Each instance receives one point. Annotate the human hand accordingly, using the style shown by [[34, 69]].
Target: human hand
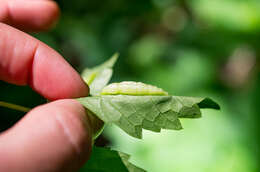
[[55, 136]]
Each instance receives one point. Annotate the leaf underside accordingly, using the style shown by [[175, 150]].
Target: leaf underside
[[134, 113]]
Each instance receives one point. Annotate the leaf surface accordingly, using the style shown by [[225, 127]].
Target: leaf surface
[[134, 113]]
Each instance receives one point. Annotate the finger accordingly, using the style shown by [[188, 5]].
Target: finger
[[52, 137], [25, 60], [29, 15]]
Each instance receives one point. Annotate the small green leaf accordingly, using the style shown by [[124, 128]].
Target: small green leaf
[[131, 167], [107, 160], [134, 113], [98, 77]]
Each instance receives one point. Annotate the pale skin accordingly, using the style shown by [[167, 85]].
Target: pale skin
[[51, 137]]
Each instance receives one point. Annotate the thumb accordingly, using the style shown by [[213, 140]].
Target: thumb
[[52, 137]]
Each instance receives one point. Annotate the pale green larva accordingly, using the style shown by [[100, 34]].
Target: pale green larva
[[132, 88]]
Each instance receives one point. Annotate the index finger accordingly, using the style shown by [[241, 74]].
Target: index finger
[[29, 15], [25, 60]]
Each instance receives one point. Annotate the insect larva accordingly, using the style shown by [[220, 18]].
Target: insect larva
[[132, 88]]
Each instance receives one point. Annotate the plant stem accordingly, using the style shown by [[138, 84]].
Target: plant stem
[[14, 106]]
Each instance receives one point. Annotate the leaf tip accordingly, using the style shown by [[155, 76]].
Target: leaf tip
[[209, 103]]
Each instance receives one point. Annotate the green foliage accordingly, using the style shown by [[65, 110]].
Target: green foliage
[[131, 168], [134, 113], [183, 47], [107, 160], [99, 76]]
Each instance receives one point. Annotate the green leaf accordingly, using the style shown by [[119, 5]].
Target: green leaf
[[134, 113], [131, 167], [107, 160], [189, 107], [98, 77]]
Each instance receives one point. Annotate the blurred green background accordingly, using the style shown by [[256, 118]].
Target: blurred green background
[[190, 48]]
